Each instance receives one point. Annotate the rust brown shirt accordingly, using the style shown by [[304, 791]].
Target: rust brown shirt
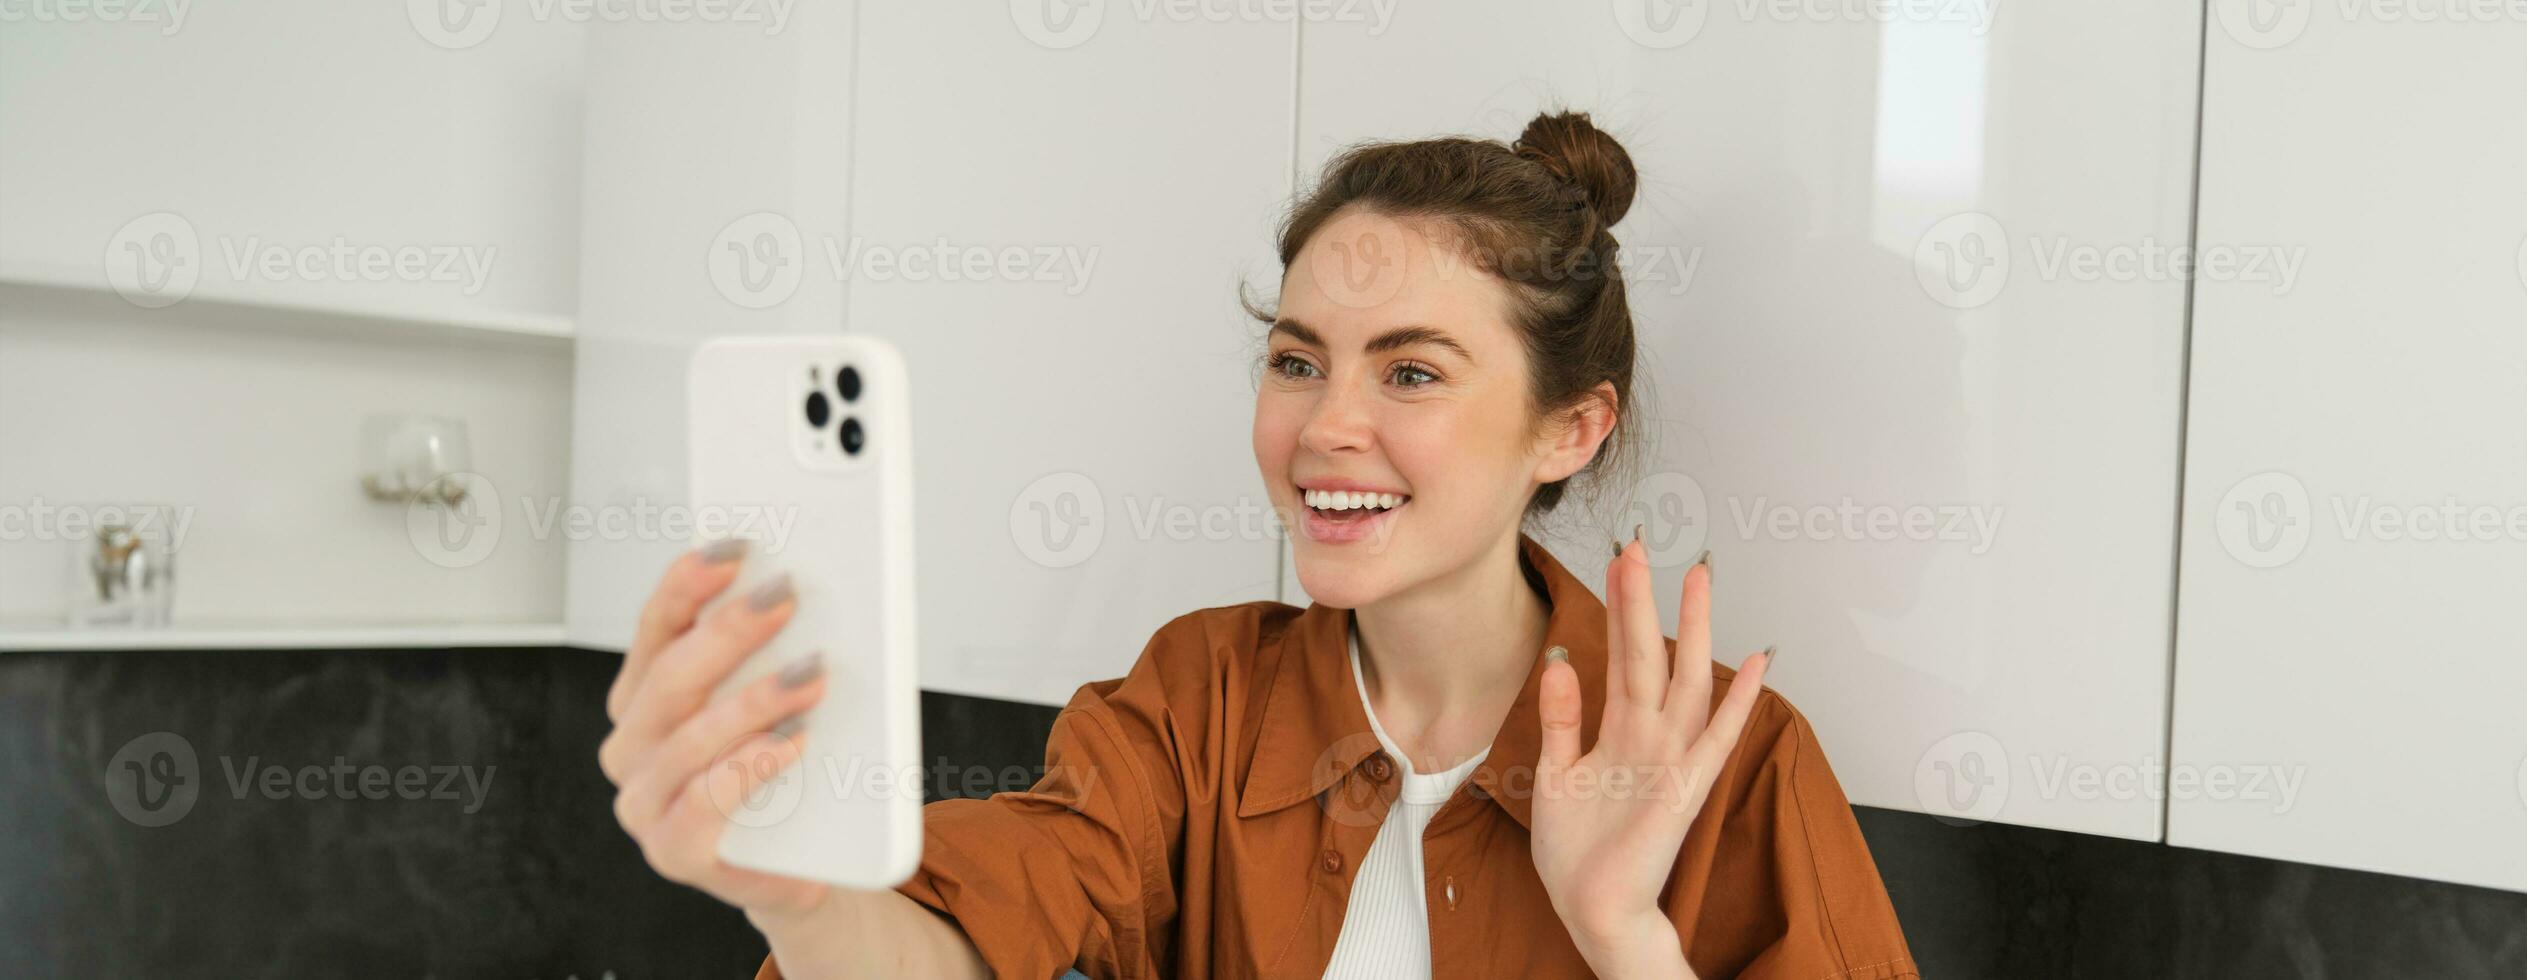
[[1202, 815]]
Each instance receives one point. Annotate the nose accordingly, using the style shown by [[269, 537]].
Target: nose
[[1339, 424]]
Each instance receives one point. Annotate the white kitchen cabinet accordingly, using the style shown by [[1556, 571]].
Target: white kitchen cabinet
[[299, 154], [2349, 659], [1857, 263], [1051, 225], [701, 138], [1083, 411]]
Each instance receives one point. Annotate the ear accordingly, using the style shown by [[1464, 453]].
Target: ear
[[1572, 442]]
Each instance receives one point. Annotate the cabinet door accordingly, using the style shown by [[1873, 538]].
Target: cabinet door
[[1053, 206], [1911, 387], [1049, 224], [2350, 660], [704, 141]]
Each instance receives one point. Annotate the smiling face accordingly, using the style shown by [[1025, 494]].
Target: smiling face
[[1394, 374]]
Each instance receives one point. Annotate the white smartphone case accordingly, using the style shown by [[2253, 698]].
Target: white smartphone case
[[768, 468]]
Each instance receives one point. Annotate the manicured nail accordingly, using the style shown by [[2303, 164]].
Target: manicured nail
[[1555, 653], [790, 726], [1618, 548], [802, 670], [724, 550], [1636, 534], [1704, 560], [770, 594], [1770, 654]]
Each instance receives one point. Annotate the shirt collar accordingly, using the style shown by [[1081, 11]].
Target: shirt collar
[[1314, 730]]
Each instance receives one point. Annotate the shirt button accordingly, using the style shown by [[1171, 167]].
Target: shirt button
[[1380, 769], [1333, 862]]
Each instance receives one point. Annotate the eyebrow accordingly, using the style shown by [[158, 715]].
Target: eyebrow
[[1397, 338]]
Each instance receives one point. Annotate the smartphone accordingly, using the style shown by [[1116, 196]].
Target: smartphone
[[803, 445]]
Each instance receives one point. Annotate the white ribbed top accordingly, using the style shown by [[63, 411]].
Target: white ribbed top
[[1386, 925]]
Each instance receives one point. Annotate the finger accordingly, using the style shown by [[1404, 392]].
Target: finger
[[1720, 739], [1557, 707], [1617, 703], [685, 674], [684, 844], [1645, 646], [689, 581], [1690, 693], [760, 706]]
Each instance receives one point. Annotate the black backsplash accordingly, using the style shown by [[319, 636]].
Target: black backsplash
[[377, 879]]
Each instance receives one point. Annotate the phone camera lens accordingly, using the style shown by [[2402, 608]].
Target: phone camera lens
[[848, 381], [819, 411], [853, 437]]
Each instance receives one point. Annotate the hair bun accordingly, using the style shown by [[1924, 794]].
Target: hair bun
[[1576, 151]]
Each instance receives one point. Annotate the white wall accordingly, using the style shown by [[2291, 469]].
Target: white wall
[[1802, 171], [2336, 628]]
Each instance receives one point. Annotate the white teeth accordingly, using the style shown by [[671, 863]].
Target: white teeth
[[1346, 500]]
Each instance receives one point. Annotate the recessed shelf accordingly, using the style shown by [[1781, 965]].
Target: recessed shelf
[[25, 637]]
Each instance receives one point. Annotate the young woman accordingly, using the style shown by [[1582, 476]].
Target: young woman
[[1457, 762]]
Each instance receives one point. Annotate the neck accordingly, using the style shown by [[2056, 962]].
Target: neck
[[1444, 661]]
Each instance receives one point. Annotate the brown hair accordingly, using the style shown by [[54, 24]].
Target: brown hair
[[1538, 214]]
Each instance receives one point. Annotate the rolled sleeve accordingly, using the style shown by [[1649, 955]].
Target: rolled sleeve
[[1808, 903]]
